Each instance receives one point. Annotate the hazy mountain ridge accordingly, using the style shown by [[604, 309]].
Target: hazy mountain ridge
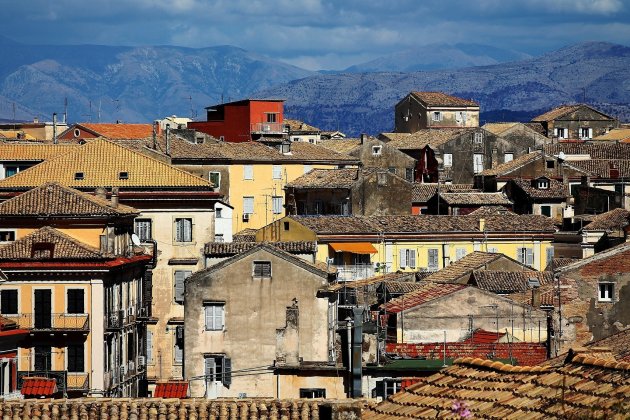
[[594, 72]]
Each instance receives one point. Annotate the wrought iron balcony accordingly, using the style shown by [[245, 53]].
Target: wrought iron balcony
[[52, 322]]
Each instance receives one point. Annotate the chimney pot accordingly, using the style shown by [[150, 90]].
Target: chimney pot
[[115, 197]]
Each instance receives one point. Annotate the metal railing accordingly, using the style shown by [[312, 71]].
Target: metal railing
[[354, 272], [52, 322], [77, 381], [267, 128]]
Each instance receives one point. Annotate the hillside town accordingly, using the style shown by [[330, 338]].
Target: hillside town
[[249, 265]]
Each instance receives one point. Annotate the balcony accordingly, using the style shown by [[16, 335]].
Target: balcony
[[78, 381], [267, 128], [66, 381], [52, 322], [354, 272]]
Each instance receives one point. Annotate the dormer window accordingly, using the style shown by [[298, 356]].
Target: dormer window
[[123, 175], [543, 184], [79, 176], [42, 250], [376, 150]]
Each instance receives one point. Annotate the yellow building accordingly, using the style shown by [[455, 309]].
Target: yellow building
[[72, 279], [361, 246]]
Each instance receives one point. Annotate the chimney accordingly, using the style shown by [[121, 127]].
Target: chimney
[[288, 338], [156, 126], [363, 138], [115, 197], [35, 120], [54, 128], [536, 297], [101, 193], [168, 139], [482, 224]]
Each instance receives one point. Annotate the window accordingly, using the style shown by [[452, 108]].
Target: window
[[308, 168], [149, 346], [286, 226], [183, 230], [143, 229], [277, 172], [387, 387], [586, 133], [10, 170], [549, 254], [477, 163], [248, 172], [606, 291], [508, 157], [178, 346], [493, 249], [318, 207], [460, 116], [408, 258], [123, 175], [271, 117], [545, 211], [560, 132], [218, 213], [218, 369], [543, 184], [179, 278], [76, 358], [248, 205], [433, 259], [262, 269], [214, 313], [215, 178], [76, 301], [478, 137], [312, 393], [525, 256], [551, 164], [409, 174], [381, 179], [460, 253], [376, 150], [7, 235], [79, 176], [448, 160], [436, 116], [392, 170], [9, 302], [277, 204], [42, 359]]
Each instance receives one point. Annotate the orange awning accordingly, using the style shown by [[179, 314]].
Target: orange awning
[[354, 247]]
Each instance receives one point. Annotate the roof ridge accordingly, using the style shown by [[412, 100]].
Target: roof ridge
[[588, 360], [498, 366]]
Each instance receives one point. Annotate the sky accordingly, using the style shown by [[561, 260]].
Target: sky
[[319, 34]]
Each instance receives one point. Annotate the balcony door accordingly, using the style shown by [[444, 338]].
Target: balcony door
[[43, 316]]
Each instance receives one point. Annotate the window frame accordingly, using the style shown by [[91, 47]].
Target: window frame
[[478, 163], [276, 172], [609, 289], [377, 150], [312, 393], [448, 160], [214, 316], [178, 356], [182, 238], [431, 258], [407, 258], [261, 263], [436, 116], [524, 255], [217, 175], [246, 199], [277, 204], [17, 301], [142, 237], [176, 294], [75, 301], [248, 172], [72, 364], [10, 233], [505, 157]]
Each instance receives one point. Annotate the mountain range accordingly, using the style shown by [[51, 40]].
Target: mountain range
[[140, 84]]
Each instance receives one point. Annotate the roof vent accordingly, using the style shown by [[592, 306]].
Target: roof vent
[[79, 176], [123, 175]]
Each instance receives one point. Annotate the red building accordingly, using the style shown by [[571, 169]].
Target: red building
[[245, 120]]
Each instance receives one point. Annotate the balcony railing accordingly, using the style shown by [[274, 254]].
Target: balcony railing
[[52, 322], [271, 128], [354, 272], [68, 381], [78, 381]]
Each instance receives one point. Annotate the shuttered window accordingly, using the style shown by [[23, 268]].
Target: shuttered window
[[262, 269], [433, 259], [180, 277], [248, 172], [277, 205], [525, 256], [214, 313], [277, 171], [218, 369], [143, 229], [549, 254], [76, 358], [76, 301], [9, 301], [178, 348], [248, 205], [183, 230], [407, 258]]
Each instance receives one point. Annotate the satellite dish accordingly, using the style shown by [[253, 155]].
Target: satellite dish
[[135, 239]]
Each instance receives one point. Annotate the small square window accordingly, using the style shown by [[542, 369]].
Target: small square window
[[262, 269], [215, 178], [123, 175], [448, 160], [606, 292], [79, 176], [7, 235], [508, 157], [551, 164], [376, 150]]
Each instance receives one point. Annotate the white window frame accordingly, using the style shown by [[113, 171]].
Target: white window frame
[[247, 209], [137, 230], [508, 157], [460, 253], [478, 159], [377, 150], [436, 116], [433, 259], [276, 172], [277, 204], [478, 137], [407, 258], [248, 172], [218, 183], [543, 184], [525, 256], [214, 316], [448, 160], [605, 292], [149, 344], [186, 235]]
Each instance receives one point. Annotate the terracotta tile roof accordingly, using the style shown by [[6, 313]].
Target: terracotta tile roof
[[422, 192], [556, 189], [485, 211], [232, 248], [13, 134], [54, 200], [618, 344], [103, 163], [119, 131], [192, 408], [245, 235], [583, 387], [504, 282], [297, 125], [428, 292], [65, 247], [463, 266], [559, 262], [33, 152], [425, 223], [480, 336], [326, 178], [508, 167], [500, 127], [475, 199], [603, 167], [433, 137], [442, 99], [557, 113], [344, 146], [616, 219], [36, 386], [596, 150], [401, 278], [616, 134], [171, 389]]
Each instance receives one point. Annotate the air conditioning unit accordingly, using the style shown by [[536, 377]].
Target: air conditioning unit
[[142, 361], [246, 217]]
